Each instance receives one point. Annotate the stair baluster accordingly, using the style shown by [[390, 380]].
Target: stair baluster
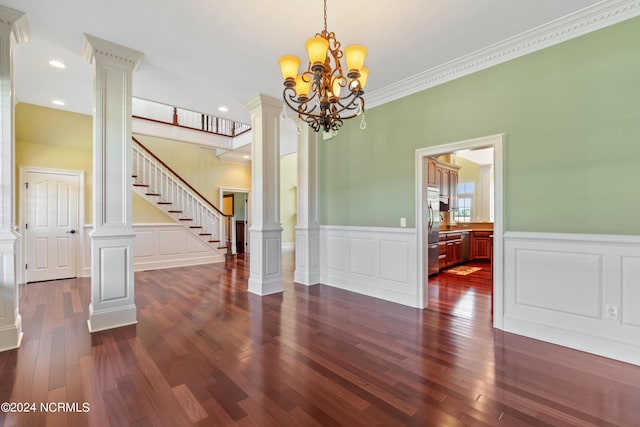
[[156, 181]]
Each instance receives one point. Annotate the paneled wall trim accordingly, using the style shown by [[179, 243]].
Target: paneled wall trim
[[576, 290], [375, 261], [162, 245]]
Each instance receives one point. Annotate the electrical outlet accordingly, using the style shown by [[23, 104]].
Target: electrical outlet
[[403, 222], [612, 312]]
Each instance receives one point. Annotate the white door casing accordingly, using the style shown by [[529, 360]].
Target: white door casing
[[247, 212], [497, 142], [51, 223]]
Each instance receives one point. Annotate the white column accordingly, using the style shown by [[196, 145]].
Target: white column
[[13, 30], [112, 291], [307, 270], [265, 232]]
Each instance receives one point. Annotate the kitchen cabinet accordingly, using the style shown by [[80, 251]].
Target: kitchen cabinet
[[481, 245], [442, 251], [454, 249], [453, 190], [444, 183], [446, 180], [450, 250], [431, 172]]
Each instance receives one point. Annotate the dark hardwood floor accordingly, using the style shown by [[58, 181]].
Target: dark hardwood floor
[[466, 296], [205, 352]]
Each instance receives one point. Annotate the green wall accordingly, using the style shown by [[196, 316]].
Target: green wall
[[571, 116]]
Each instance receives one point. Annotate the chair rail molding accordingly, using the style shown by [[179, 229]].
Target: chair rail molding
[[576, 290], [373, 261]]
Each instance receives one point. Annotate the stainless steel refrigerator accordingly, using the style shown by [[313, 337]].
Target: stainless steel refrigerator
[[431, 219]]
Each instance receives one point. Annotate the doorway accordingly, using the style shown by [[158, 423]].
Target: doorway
[[235, 201], [452, 292], [51, 209]]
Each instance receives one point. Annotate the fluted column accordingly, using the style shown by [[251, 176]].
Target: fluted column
[[112, 286], [307, 271], [13, 30], [265, 231]]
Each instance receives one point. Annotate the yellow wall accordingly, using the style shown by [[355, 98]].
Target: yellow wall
[[51, 138], [288, 196], [199, 166], [470, 171]]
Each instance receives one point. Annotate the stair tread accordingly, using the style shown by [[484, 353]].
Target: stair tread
[[174, 211], [204, 234], [185, 219], [195, 226], [214, 241], [140, 185], [151, 194], [164, 203]]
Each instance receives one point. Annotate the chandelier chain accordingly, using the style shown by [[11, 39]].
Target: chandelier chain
[[325, 16]]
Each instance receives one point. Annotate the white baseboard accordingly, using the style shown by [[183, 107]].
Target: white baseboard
[[579, 291], [374, 261], [288, 246], [162, 245]]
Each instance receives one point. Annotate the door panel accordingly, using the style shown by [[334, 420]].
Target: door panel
[[52, 213]]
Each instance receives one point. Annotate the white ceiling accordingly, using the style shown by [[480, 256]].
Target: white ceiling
[[202, 54], [483, 156]]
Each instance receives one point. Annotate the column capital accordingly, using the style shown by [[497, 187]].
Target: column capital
[[94, 47], [16, 21], [260, 100]]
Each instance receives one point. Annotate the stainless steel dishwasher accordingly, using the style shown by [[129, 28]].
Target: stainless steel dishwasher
[[465, 246]]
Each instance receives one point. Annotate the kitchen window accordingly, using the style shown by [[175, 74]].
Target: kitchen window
[[466, 193]]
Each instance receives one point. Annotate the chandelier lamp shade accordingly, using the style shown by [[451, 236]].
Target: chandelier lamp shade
[[326, 94]]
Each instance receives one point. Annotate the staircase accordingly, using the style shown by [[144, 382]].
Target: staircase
[[160, 185]]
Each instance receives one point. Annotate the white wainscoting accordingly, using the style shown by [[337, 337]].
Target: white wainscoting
[[374, 261], [160, 246], [579, 291]]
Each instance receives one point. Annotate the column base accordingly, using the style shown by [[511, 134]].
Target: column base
[[266, 261], [265, 287], [307, 270], [11, 337], [101, 320]]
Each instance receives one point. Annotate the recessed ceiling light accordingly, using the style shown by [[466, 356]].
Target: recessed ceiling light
[[58, 102], [57, 64], [223, 109], [246, 157]]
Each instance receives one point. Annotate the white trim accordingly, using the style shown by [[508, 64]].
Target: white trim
[[288, 246], [600, 15], [148, 253], [22, 217], [496, 141], [559, 288], [247, 214], [180, 134], [373, 261]]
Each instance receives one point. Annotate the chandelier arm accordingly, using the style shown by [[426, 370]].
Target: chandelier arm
[[350, 106]]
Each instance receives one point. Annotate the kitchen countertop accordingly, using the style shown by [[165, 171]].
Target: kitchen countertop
[[464, 229]]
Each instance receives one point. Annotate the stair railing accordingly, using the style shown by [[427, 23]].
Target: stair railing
[[182, 199]]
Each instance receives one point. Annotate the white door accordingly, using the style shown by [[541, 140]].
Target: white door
[[52, 226]]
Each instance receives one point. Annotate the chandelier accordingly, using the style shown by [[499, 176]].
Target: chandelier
[[323, 96]]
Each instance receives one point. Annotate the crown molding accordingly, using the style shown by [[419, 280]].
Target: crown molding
[[93, 46], [587, 20], [17, 21]]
